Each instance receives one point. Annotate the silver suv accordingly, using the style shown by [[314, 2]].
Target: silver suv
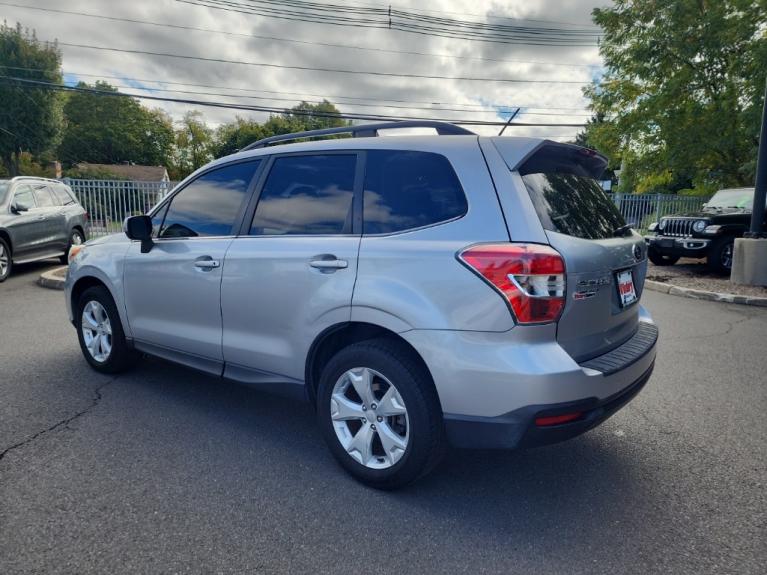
[[39, 219], [418, 290]]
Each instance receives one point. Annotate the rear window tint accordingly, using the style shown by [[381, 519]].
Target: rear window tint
[[44, 197], [406, 190], [307, 195], [562, 184]]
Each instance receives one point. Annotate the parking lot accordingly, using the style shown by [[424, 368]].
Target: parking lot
[[164, 470]]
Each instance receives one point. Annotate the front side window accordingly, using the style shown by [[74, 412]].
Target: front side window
[[209, 205], [43, 197], [406, 190], [23, 198], [307, 195]]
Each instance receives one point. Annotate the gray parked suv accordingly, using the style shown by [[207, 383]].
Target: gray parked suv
[[418, 290], [39, 219]]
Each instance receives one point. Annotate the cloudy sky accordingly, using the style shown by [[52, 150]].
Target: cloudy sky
[[261, 39]]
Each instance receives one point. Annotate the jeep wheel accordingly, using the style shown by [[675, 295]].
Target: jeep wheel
[[380, 415], [660, 259], [720, 256]]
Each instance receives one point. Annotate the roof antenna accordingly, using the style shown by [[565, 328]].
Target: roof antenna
[[506, 125]]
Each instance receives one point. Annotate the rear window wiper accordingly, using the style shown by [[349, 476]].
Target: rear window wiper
[[621, 231]]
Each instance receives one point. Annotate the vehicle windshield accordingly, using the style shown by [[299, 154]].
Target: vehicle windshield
[[4, 185], [731, 199]]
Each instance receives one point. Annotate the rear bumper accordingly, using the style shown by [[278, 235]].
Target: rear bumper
[[683, 247], [493, 386], [517, 430]]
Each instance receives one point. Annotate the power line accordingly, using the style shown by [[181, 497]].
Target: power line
[[372, 117], [406, 21], [313, 69], [363, 105], [293, 40], [336, 99]]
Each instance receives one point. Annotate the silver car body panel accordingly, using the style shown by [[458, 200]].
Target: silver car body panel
[[272, 305]]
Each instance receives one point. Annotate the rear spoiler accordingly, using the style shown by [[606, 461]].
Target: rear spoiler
[[554, 157]]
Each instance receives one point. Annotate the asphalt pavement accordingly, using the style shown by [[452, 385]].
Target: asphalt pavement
[[164, 470]]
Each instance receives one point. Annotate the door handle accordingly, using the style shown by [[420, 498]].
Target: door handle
[[329, 264], [207, 264], [41, 218]]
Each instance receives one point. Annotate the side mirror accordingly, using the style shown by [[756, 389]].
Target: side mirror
[[17, 209], [140, 228]]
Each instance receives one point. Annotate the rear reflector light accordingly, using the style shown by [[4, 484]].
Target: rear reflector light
[[557, 419], [530, 276]]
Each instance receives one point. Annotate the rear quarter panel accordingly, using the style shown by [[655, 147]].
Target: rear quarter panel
[[413, 279]]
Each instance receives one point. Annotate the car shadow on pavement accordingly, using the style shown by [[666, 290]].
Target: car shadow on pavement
[[585, 484]]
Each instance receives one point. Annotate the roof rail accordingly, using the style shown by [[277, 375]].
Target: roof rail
[[364, 131]]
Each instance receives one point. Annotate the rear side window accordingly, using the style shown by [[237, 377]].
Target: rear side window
[[63, 195], [43, 197], [562, 183], [406, 190], [307, 195], [209, 205]]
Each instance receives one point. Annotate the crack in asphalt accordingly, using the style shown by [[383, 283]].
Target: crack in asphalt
[[95, 400], [730, 326]]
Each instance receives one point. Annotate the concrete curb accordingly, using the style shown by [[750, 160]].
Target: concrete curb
[[706, 295], [52, 279]]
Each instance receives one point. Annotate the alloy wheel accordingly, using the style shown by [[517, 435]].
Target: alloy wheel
[[370, 418], [97, 331], [4, 261]]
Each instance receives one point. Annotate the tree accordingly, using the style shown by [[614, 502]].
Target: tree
[[108, 129], [302, 117], [193, 149], [682, 91], [30, 118]]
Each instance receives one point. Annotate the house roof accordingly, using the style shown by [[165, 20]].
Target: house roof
[[129, 171]]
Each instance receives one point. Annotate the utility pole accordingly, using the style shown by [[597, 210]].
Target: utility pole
[[760, 193], [749, 264]]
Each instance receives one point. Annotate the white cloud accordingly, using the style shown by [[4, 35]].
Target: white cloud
[[490, 95]]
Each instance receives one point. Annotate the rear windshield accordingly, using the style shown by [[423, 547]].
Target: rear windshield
[[563, 185]]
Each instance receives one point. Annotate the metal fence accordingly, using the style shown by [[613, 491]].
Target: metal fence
[[109, 202], [640, 210]]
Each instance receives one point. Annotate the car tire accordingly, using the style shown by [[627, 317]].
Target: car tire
[[413, 409], [719, 259], [6, 260], [75, 238], [660, 259], [100, 333]]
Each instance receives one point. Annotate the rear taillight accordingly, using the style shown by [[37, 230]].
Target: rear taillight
[[530, 276]]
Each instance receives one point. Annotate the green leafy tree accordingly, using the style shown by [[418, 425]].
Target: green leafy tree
[[30, 118], [194, 145], [108, 129], [682, 90], [302, 117]]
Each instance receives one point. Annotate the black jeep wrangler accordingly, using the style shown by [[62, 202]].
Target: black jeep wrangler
[[708, 234]]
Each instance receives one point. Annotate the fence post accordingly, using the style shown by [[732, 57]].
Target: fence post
[[657, 206]]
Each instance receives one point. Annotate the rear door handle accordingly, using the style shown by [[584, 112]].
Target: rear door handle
[[329, 264], [207, 264]]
